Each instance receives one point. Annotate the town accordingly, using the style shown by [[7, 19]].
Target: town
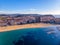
[[19, 19]]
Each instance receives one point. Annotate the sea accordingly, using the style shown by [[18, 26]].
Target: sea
[[31, 36]]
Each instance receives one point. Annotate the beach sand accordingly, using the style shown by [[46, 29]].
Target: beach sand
[[14, 27]]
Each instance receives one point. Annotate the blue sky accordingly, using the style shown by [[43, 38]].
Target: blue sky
[[30, 6]]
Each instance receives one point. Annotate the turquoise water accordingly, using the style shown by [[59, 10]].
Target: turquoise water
[[40, 34]]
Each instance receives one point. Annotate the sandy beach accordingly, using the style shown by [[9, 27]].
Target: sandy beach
[[35, 25]]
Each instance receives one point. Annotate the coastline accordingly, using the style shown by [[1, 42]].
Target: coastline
[[33, 25]]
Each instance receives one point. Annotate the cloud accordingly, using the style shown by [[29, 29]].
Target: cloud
[[51, 12], [8, 12], [31, 11]]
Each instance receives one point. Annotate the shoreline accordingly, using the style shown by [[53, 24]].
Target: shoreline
[[33, 25]]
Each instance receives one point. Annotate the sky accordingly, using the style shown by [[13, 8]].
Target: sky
[[30, 6]]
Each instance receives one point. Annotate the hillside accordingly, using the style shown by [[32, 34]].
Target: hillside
[[19, 19]]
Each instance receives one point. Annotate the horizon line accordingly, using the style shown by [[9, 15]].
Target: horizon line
[[31, 12]]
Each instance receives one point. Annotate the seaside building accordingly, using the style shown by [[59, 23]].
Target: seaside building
[[57, 20], [47, 19], [3, 23]]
